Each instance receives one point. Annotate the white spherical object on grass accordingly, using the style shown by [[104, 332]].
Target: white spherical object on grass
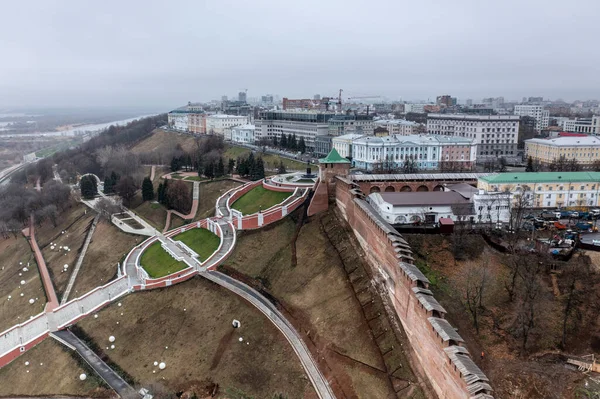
[[22, 282], [111, 338], [26, 363], [156, 363], [241, 339], [31, 301], [20, 263], [10, 296], [112, 347], [95, 316], [119, 304], [22, 294], [25, 269], [162, 365], [82, 376]]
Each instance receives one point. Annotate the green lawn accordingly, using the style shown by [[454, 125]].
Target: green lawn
[[196, 178], [158, 263], [201, 241], [259, 198]]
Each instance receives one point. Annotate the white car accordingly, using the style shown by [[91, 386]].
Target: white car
[[596, 242]]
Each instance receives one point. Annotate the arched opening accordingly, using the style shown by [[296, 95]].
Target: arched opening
[[438, 188], [400, 219], [406, 189], [390, 189], [422, 188], [375, 189]]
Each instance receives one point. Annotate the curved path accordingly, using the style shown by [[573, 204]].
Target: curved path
[[69, 313]]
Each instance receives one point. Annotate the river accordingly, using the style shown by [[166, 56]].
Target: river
[[77, 131]]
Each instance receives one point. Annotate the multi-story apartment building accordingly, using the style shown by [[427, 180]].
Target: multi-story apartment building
[[243, 134], [340, 125], [541, 116], [197, 123], [306, 124], [400, 127], [178, 119], [427, 151], [494, 135], [586, 150], [581, 125], [547, 189], [415, 108], [221, 124]]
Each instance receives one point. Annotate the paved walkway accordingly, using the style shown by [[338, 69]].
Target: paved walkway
[[79, 307], [44, 274], [319, 382], [122, 388], [192, 214], [152, 172], [65, 296]]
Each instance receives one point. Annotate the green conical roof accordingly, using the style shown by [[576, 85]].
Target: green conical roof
[[333, 157]]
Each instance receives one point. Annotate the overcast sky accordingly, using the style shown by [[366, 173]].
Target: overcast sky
[[164, 53]]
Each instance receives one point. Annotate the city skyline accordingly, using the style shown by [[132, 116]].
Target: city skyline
[[92, 54]]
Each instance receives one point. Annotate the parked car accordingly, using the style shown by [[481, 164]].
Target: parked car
[[595, 212], [596, 242], [550, 215], [573, 214], [529, 216], [583, 226]]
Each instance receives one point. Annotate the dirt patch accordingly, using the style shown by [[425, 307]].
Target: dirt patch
[[163, 141], [176, 221], [75, 223], [152, 212], [13, 252], [319, 300], [184, 326], [108, 247], [53, 370], [209, 192]]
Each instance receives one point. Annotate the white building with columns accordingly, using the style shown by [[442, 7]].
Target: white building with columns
[[243, 134], [221, 124]]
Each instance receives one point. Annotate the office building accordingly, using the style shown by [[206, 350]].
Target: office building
[[494, 135], [323, 145], [586, 150], [415, 108], [400, 127], [221, 125], [547, 189], [446, 101], [306, 124], [581, 125], [346, 124], [537, 112], [429, 152], [242, 97], [317, 104]]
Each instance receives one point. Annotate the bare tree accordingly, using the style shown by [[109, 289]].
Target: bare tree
[[107, 207], [126, 189], [473, 287]]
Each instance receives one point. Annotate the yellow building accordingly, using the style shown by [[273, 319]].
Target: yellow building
[[586, 150], [548, 189]]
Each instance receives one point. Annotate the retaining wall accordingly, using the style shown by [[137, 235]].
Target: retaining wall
[[437, 348]]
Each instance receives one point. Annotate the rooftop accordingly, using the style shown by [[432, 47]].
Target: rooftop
[[567, 141], [445, 330], [245, 127], [403, 122], [333, 157], [475, 117], [541, 177], [425, 198], [419, 177], [224, 116], [349, 136], [416, 139]]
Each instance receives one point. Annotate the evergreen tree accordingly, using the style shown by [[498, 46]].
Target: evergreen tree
[[114, 178], [175, 164], [281, 169], [283, 141], [165, 197], [274, 141], [209, 170], [302, 145], [230, 166], [294, 143], [147, 189], [109, 187], [260, 168], [88, 186], [160, 193], [220, 168]]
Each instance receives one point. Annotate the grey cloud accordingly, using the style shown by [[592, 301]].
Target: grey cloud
[[159, 53]]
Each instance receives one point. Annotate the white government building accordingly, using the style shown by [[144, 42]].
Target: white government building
[[243, 134]]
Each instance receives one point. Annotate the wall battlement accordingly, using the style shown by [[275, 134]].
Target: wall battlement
[[438, 349]]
